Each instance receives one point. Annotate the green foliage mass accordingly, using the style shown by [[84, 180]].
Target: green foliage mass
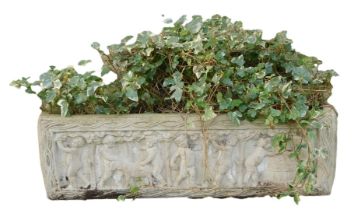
[[204, 66]]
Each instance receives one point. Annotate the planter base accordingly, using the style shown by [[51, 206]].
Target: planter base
[[198, 193], [168, 155]]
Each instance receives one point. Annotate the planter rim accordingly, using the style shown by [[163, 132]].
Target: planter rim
[[326, 108]]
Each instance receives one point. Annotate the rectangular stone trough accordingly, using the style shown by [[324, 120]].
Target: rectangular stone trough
[[169, 155]]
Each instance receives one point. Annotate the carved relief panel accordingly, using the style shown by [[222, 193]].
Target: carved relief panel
[[116, 160]]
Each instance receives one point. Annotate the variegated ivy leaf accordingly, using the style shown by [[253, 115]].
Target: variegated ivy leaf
[[84, 62], [92, 87], [47, 79], [95, 45], [168, 20], [105, 69], [181, 20], [176, 86], [132, 94], [195, 25], [235, 117], [64, 107], [198, 71], [238, 60], [57, 84], [208, 114], [50, 95], [126, 39]]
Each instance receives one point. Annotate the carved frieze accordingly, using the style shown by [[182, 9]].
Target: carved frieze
[[165, 154]]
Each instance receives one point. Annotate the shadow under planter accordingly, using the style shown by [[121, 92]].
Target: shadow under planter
[[168, 155]]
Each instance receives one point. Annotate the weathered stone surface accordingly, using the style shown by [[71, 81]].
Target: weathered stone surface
[[168, 155]]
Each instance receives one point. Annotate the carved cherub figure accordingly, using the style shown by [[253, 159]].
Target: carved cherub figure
[[224, 147], [122, 172], [153, 162], [108, 158], [186, 160], [255, 159], [77, 165]]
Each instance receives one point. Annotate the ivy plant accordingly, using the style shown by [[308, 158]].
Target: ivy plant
[[206, 67]]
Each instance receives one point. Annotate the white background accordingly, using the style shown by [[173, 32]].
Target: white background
[[35, 34]]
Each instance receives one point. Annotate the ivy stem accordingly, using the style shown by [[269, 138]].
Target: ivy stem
[[304, 136], [205, 141]]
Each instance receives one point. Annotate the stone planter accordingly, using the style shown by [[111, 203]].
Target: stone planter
[[166, 155]]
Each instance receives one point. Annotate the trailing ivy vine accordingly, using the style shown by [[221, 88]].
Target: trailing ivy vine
[[206, 67]]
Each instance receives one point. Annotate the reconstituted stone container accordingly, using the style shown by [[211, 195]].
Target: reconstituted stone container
[[168, 155]]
